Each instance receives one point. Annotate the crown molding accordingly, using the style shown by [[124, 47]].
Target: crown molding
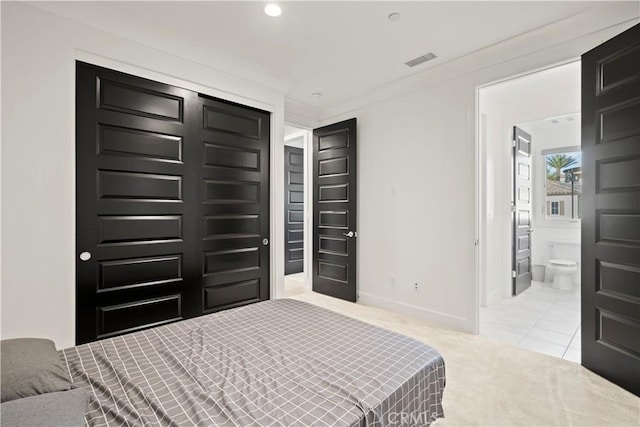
[[550, 44], [301, 114]]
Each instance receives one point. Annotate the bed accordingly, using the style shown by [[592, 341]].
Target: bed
[[275, 363]]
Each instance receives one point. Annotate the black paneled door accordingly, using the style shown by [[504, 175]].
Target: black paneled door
[[143, 188], [293, 210], [234, 204], [611, 210], [335, 210], [521, 212]]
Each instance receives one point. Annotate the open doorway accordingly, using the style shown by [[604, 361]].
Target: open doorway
[[297, 211], [543, 314], [326, 193]]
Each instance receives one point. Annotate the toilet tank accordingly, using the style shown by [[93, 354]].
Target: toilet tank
[[565, 250]]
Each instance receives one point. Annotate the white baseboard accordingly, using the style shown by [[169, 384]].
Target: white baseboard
[[438, 318]]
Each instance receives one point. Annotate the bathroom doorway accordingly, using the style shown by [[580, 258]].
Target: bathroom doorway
[[544, 107]]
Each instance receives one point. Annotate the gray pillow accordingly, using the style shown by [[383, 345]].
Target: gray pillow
[[30, 366], [64, 408]]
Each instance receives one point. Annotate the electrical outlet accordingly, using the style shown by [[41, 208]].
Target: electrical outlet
[[416, 287]]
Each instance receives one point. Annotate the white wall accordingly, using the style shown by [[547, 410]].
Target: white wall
[[496, 162], [38, 150], [417, 188]]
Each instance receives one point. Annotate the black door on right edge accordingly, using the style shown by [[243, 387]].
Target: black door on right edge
[[611, 210], [521, 215], [334, 210]]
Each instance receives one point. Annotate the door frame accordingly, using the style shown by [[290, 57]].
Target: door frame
[[480, 190], [276, 150]]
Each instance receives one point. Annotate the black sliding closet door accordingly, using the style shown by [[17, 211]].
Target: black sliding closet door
[[234, 142], [168, 195]]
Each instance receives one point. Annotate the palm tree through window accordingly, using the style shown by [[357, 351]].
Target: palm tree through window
[[563, 185]]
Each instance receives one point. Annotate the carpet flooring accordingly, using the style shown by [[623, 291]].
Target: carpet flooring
[[490, 383]]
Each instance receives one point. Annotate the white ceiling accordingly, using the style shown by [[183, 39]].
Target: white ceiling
[[562, 80], [569, 123], [342, 49]]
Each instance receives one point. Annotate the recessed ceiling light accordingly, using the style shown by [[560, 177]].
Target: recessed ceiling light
[[272, 10], [316, 94], [393, 17]]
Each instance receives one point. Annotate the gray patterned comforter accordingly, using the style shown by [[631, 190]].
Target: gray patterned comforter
[[274, 363]]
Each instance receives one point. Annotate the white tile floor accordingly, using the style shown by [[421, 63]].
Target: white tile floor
[[540, 319]]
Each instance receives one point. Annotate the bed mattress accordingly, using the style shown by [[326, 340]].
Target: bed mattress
[[274, 363]]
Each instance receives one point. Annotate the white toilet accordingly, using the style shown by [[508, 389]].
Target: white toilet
[[564, 263]]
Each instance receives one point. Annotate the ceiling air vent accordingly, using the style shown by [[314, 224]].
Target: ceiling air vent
[[420, 59]]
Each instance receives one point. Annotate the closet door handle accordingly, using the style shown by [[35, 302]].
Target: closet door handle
[[85, 256], [349, 234]]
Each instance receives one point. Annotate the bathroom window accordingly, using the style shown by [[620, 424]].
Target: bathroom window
[[563, 187]]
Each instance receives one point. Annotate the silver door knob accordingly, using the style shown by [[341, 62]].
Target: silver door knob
[[349, 234], [85, 256], [265, 242]]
